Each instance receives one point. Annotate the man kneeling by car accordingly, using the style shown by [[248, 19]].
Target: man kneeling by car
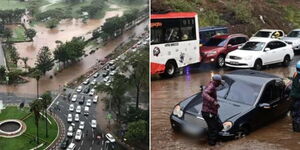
[[210, 109]]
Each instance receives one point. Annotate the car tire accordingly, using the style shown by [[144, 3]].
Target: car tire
[[170, 70], [258, 65], [286, 61], [175, 128], [243, 131], [220, 61]]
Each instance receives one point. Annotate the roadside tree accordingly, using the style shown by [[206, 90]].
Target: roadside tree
[[35, 108], [30, 33], [46, 101], [138, 132], [44, 60]]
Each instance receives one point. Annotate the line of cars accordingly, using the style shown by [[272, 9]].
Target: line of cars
[[265, 47]]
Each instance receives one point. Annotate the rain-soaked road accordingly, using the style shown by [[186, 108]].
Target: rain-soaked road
[[168, 92]]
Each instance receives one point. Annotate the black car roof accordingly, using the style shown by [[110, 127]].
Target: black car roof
[[255, 77]]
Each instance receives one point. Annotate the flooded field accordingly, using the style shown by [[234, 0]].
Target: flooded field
[[64, 32], [166, 93]]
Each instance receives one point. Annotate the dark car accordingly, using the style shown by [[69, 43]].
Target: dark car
[[86, 90], [105, 73], [81, 100], [217, 47], [248, 100], [65, 143], [207, 32]]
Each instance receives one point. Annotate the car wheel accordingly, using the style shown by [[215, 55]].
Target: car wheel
[[258, 65], [286, 61], [243, 131], [175, 127], [221, 61], [170, 70]]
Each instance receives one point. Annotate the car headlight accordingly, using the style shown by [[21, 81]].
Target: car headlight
[[177, 111], [227, 125], [248, 57], [214, 52]]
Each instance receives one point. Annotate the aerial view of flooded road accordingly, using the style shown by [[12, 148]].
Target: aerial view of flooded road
[[166, 93]]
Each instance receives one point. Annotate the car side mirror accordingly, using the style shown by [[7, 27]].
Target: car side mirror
[[267, 49], [229, 45], [239, 47], [265, 105]]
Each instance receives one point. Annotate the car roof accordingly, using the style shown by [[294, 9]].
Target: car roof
[[225, 36], [266, 40], [270, 30], [255, 77], [296, 30], [212, 28]]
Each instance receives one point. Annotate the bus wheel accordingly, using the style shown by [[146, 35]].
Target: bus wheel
[[170, 70]]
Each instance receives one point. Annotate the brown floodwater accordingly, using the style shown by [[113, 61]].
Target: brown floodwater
[[64, 32], [165, 93]]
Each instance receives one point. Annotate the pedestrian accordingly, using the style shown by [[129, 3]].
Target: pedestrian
[[295, 97], [210, 109]]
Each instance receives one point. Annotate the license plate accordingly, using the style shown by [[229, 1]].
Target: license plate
[[234, 63]]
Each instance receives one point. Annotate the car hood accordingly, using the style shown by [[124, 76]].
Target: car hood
[[291, 39], [242, 53], [226, 111], [205, 49]]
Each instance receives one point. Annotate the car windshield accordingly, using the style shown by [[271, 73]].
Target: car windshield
[[231, 91], [253, 46], [215, 42], [294, 34], [262, 34]]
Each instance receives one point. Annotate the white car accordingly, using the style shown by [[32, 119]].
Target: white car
[[96, 75], [95, 99], [89, 102], [94, 82], [293, 38], [78, 109], [70, 131], [106, 79], [113, 73], [94, 123], [92, 92], [81, 125], [70, 118], [79, 89], [110, 138], [71, 146], [259, 52], [87, 81], [268, 33], [78, 134], [74, 98], [76, 117], [71, 107]]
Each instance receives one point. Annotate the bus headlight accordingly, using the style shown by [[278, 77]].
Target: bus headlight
[[177, 111], [227, 125]]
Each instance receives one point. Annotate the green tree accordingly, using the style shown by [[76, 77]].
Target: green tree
[[30, 33], [14, 55], [44, 60], [35, 108], [37, 75], [25, 60], [46, 101], [2, 72], [13, 75], [7, 33], [137, 132], [116, 98], [139, 73], [52, 23]]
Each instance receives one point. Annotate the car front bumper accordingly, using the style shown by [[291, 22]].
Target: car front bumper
[[238, 63], [196, 130]]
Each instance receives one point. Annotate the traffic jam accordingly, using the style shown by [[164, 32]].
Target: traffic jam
[[78, 106], [220, 85]]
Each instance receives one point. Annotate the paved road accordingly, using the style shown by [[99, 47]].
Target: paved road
[[2, 58]]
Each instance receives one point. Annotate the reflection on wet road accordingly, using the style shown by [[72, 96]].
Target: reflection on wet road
[[166, 93]]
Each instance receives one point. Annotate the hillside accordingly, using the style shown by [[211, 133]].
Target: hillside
[[240, 16]]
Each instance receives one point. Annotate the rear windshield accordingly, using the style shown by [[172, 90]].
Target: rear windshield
[[262, 34], [215, 42], [294, 34]]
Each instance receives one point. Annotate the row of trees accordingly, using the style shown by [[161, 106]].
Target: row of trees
[[116, 24], [11, 16], [39, 106], [7, 33], [94, 8]]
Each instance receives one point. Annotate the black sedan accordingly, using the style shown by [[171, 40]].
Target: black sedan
[[248, 100]]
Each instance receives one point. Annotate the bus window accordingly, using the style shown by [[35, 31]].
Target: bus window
[[172, 34], [156, 35], [188, 30]]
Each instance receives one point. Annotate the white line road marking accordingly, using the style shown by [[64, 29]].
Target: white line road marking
[[53, 101], [79, 148], [90, 148], [93, 142], [81, 142]]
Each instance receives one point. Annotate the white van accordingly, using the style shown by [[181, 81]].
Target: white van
[[70, 131], [71, 146], [86, 110]]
